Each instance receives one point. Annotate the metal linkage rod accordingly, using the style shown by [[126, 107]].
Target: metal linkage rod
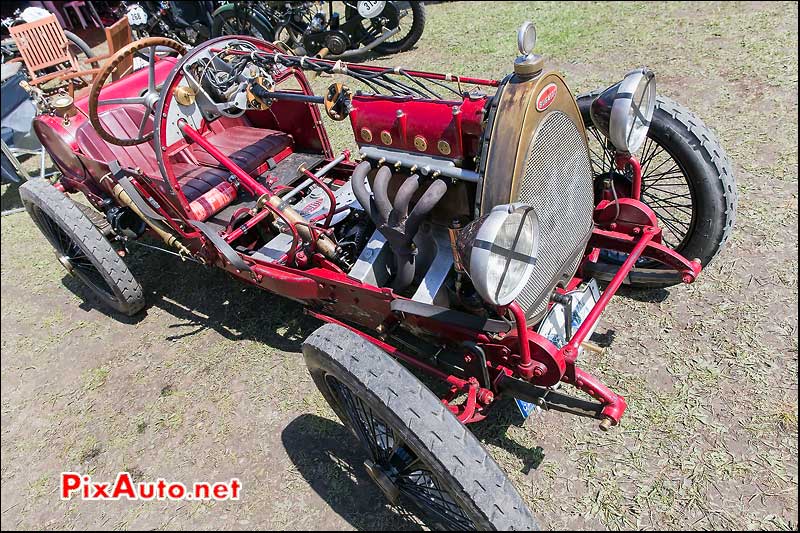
[[376, 78]]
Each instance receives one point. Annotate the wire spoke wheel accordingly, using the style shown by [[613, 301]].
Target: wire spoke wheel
[[408, 17], [431, 469], [70, 255], [400, 467], [666, 189], [81, 248], [239, 25], [687, 180]]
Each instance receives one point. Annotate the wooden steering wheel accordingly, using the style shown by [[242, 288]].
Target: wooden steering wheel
[[148, 99]]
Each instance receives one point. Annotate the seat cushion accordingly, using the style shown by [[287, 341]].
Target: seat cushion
[[123, 121], [195, 181], [248, 147]]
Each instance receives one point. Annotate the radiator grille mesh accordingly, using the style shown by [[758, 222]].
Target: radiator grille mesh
[[557, 183]]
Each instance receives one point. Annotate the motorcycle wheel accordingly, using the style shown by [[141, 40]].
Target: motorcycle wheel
[[687, 180], [80, 50], [227, 22], [401, 41], [289, 35]]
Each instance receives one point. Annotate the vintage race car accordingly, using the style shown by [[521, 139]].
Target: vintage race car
[[462, 240]]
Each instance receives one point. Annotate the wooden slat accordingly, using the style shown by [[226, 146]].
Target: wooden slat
[[42, 44], [118, 35]]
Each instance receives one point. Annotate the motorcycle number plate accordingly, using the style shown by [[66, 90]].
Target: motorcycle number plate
[[368, 10], [553, 327], [137, 16], [139, 63]]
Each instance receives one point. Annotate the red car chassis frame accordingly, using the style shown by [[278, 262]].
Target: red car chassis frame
[[517, 361], [521, 353]]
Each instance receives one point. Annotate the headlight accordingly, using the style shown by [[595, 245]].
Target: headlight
[[623, 111], [499, 250]]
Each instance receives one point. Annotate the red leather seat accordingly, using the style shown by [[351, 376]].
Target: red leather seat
[[248, 147], [196, 181], [125, 121]]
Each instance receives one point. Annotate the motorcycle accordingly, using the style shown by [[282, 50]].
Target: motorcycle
[[308, 28], [186, 22]]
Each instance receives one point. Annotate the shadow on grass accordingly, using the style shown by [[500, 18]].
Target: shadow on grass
[[331, 461], [194, 298], [494, 431], [655, 296], [9, 199]]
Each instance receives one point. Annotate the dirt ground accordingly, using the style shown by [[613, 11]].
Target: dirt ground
[[208, 383]]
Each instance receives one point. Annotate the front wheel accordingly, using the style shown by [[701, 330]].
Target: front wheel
[[687, 180], [418, 453]]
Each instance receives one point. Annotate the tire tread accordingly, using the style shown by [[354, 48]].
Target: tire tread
[[71, 217], [702, 140], [423, 413]]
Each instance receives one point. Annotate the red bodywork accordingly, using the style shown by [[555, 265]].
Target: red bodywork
[[457, 123], [333, 296]]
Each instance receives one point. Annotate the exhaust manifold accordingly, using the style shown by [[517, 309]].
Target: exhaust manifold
[[394, 221]]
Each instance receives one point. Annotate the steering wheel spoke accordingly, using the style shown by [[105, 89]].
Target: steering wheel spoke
[[148, 48], [143, 125], [151, 73], [122, 101]]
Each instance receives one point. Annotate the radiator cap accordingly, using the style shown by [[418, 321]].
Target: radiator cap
[[528, 66]]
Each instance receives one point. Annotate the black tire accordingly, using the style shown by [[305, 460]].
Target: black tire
[[293, 38], [403, 410], [411, 38], [81, 50], [226, 22], [81, 248], [704, 177]]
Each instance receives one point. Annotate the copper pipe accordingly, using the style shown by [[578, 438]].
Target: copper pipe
[[124, 199]]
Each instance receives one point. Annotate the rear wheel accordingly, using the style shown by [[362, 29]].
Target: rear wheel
[[81, 248], [418, 453], [240, 20], [411, 19], [688, 181]]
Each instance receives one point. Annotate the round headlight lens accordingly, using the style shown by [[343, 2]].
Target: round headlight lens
[[501, 250], [623, 112], [639, 111]]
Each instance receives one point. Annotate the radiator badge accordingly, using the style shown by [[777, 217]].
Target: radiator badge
[[546, 97]]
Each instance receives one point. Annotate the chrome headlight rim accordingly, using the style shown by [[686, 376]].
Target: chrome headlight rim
[[485, 251], [635, 101], [623, 112]]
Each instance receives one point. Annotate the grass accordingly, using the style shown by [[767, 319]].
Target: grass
[[209, 383]]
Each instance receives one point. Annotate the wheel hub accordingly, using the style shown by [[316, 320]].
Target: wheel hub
[[66, 263], [151, 99], [383, 481]]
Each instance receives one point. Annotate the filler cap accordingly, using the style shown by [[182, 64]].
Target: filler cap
[[528, 64]]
